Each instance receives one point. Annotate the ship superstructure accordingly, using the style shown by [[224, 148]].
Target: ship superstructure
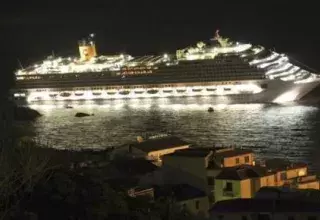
[[230, 72]]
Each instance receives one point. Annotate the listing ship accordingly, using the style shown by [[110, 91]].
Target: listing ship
[[229, 72]]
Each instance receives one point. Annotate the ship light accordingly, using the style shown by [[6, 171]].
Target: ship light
[[165, 56], [287, 97]]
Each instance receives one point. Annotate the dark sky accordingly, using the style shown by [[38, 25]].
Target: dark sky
[[31, 30]]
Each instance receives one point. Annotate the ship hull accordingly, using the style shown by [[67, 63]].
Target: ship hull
[[275, 91]]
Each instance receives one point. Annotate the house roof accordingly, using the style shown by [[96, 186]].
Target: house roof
[[233, 153], [242, 172], [204, 151], [280, 164], [264, 205], [133, 167], [192, 152], [180, 192], [160, 144]]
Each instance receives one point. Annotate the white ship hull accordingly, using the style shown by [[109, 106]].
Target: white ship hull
[[276, 91]]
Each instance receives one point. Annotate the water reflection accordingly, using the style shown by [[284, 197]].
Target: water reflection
[[271, 130]]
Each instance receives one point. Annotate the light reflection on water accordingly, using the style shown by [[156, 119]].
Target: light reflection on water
[[271, 130]]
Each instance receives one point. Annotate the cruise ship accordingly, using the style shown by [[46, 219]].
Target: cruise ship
[[227, 71]]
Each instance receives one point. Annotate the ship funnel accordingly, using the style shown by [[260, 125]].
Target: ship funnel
[[87, 48]]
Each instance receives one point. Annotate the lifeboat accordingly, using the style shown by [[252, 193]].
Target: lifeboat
[[124, 92], [111, 92], [53, 95], [152, 91], [78, 93], [65, 94]]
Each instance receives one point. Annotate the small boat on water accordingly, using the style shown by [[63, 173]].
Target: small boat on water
[[210, 109]]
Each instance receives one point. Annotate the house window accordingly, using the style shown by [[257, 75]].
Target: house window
[[210, 180], [197, 205], [290, 218], [244, 217], [246, 159], [228, 186], [312, 217], [220, 217], [237, 161]]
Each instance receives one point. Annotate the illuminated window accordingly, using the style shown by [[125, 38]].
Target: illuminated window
[[246, 159], [237, 160]]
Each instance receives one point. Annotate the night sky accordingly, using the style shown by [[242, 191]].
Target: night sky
[[31, 30]]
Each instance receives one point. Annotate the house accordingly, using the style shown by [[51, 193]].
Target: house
[[231, 157], [245, 180], [184, 196], [241, 181], [155, 148], [288, 173], [246, 209], [199, 166]]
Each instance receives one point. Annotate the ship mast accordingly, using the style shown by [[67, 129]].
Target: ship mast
[[222, 41], [20, 64]]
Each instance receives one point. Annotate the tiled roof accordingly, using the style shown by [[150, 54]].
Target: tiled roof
[[242, 172], [159, 144], [280, 164], [263, 205]]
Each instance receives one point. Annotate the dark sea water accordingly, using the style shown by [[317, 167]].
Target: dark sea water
[[272, 131]]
